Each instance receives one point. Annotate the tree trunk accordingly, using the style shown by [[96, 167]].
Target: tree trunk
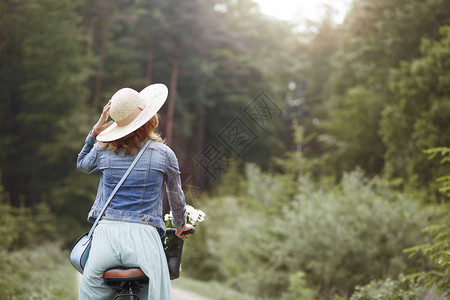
[[201, 127], [102, 13], [89, 49], [202, 108], [149, 70], [100, 68], [4, 43], [173, 90]]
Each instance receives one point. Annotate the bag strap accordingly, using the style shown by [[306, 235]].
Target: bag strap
[[117, 187]]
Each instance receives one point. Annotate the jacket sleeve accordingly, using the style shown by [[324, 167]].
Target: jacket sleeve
[[175, 193], [87, 161]]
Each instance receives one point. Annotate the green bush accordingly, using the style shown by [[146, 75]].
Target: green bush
[[37, 273], [438, 253], [347, 235], [338, 236], [388, 289], [298, 289], [24, 226]]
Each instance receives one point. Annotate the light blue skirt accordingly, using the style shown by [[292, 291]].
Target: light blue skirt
[[118, 243]]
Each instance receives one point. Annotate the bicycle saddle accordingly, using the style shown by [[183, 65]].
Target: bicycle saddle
[[117, 275]]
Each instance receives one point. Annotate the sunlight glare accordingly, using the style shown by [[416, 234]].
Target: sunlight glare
[[298, 11]]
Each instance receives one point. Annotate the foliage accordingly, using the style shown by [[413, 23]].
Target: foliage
[[70, 202], [376, 118], [368, 94], [359, 144], [72, 194], [388, 289], [298, 289], [62, 60], [327, 233], [38, 272], [22, 226], [199, 261], [438, 250], [443, 180], [419, 119], [42, 75], [435, 274], [333, 234]]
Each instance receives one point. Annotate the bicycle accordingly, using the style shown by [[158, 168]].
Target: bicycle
[[128, 281]]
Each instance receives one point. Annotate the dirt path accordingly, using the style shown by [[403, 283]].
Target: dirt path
[[177, 293]]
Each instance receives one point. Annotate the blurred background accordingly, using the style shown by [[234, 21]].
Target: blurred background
[[313, 134]]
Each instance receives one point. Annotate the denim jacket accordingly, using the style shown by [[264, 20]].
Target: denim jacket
[[139, 199]]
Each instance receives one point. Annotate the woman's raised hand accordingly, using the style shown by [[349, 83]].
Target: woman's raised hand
[[102, 123]]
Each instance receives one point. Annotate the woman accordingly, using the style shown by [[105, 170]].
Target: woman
[[129, 231]]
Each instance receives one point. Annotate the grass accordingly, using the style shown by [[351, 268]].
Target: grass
[[210, 289], [42, 272]]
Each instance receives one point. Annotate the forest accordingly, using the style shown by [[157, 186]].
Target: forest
[[320, 156]]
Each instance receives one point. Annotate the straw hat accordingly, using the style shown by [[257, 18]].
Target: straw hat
[[130, 110]]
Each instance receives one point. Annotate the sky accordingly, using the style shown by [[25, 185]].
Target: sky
[[298, 11]]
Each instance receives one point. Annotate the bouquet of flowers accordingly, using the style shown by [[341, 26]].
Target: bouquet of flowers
[[194, 216], [173, 245]]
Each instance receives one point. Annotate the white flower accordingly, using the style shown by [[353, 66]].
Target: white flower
[[168, 217], [193, 215]]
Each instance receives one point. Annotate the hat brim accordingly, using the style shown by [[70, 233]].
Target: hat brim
[[155, 96]]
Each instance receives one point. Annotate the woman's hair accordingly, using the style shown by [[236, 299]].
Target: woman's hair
[[132, 143]]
